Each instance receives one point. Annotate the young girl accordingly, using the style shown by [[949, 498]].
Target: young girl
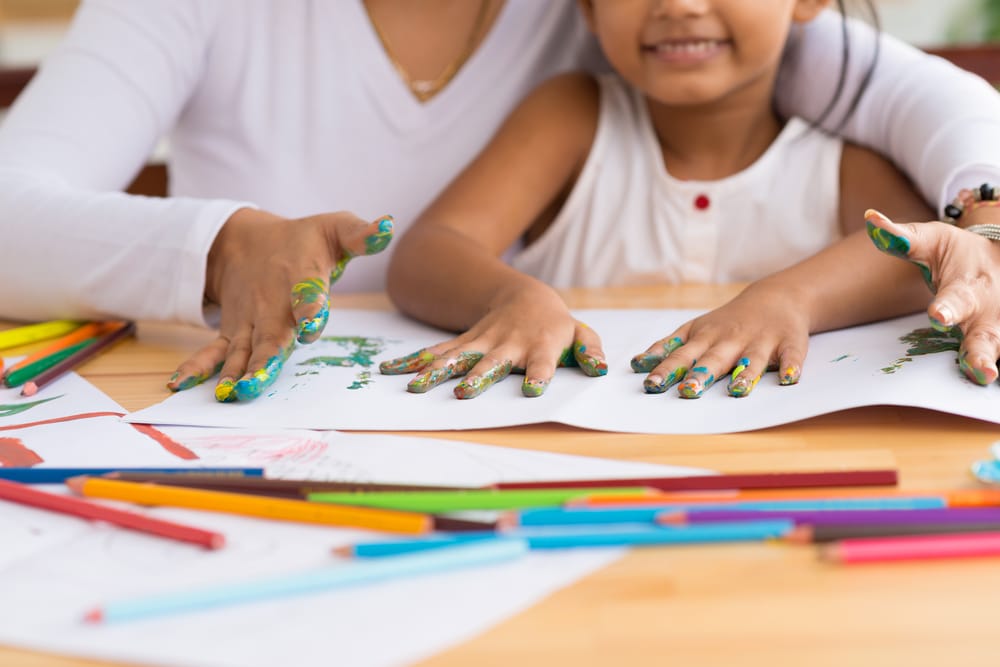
[[678, 169]]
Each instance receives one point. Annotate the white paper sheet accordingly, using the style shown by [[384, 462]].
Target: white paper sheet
[[75, 566], [844, 369]]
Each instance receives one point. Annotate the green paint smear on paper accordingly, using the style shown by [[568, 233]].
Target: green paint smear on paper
[[11, 409], [926, 340], [361, 351]]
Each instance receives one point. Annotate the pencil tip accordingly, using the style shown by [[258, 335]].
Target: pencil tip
[[508, 521], [671, 518], [217, 541], [800, 535], [75, 484], [345, 551], [93, 616], [29, 389]]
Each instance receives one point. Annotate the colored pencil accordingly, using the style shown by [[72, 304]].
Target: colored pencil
[[845, 517], [277, 488], [743, 531], [15, 378], [77, 358], [457, 501], [771, 480], [806, 534], [342, 575], [920, 547], [25, 495], [454, 524], [86, 332], [953, 498], [33, 333], [60, 475], [256, 506]]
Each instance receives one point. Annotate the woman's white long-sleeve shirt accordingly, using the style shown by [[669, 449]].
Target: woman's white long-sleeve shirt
[[293, 106]]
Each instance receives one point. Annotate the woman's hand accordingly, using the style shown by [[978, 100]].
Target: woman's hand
[[963, 271], [530, 332], [271, 277], [761, 329]]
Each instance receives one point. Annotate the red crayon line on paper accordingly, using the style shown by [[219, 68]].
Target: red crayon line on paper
[[58, 420], [13, 454], [168, 443]]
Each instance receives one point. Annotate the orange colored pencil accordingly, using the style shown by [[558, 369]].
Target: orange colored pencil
[[393, 521], [953, 498], [91, 330]]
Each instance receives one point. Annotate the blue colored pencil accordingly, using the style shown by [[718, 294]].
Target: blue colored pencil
[[325, 579], [60, 475], [741, 531], [557, 516]]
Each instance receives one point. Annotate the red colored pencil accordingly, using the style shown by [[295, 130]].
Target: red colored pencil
[[768, 480], [26, 495], [66, 365], [922, 547]]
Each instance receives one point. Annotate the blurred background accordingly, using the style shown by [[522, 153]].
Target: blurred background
[[29, 28]]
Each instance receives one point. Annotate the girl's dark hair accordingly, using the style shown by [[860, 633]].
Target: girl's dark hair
[[845, 59]]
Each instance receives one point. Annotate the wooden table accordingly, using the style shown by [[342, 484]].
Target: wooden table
[[755, 604]]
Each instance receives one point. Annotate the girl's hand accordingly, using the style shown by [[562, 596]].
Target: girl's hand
[[761, 329], [963, 270], [531, 332], [271, 277]]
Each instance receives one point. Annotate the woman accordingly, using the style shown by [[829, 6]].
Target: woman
[[283, 110]]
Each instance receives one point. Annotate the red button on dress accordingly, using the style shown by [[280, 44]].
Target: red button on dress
[[702, 202]]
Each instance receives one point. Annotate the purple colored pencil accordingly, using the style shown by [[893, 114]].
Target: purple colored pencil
[[839, 517]]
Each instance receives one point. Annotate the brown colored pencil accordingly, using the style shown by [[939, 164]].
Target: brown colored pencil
[[806, 534], [261, 486]]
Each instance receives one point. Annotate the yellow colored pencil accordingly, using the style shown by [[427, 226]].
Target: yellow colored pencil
[[33, 333], [281, 509]]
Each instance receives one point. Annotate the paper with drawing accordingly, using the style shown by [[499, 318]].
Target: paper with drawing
[[72, 566], [335, 384]]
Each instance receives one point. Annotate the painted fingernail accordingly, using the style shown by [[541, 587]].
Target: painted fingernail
[[252, 385], [471, 387], [308, 292], [378, 241], [696, 386], [944, 321], [743, 385], [654, 384], [192, 380], [427, 380], [790, 375], [225, 391], [590, 365], [643, 363], [887, 242], [534, 387], [971, 372], [408, 364]]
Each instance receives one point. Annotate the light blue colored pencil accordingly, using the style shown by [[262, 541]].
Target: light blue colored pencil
[[556, 516], [455, 557], [737, 531]]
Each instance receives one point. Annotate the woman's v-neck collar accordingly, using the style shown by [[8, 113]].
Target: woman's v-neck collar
[[401, 109]]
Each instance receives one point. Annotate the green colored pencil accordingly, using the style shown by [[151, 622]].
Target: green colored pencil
[[22, 375], [458, 501]]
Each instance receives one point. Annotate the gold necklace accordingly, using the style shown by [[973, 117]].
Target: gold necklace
[[424, 89]]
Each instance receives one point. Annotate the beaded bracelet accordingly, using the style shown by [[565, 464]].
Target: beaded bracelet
[[992, 232], [970, 199]]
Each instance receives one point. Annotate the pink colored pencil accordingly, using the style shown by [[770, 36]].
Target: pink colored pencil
[[32, 386], [914, 547], [26, 495], [768, 480]]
